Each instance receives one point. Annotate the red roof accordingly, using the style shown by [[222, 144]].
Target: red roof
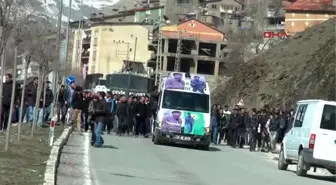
[[309, 5]]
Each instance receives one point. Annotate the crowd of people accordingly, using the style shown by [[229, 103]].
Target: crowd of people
[[30, 95], [105, 112], [260, 129]]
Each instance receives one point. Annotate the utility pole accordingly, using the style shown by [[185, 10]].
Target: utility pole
[[158, 65], [55, 73], [178, 52], [67, 39], [79, 37]]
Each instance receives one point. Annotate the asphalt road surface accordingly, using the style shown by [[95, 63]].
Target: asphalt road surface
[[137, 161]]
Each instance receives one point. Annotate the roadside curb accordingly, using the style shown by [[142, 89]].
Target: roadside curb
[[52, 163]]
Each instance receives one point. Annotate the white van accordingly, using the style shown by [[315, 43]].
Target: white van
[[312, 140]]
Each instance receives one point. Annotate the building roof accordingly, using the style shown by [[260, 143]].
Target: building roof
[[309, 5], [174, 27], [141, 9]]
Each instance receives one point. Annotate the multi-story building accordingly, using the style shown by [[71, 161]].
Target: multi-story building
[[107, 43], [202, 48], [301, 14], [180, 10], [107, 47]]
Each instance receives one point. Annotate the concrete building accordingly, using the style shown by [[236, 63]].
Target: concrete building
[[107, 47], [202, 48], [180, 10], [301, 14]]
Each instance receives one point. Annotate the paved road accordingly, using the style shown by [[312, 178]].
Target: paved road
[[129, 161]]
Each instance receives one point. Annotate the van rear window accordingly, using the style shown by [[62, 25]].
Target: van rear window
[[328, 121]]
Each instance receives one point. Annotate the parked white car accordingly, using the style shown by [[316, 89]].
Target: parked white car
[[311, 143], [101, 88]]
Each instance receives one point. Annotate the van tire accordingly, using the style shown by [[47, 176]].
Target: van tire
[[156, 137], [301, 169], [282, 164]]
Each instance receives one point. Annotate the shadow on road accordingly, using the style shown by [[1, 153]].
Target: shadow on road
[[211, 149], [109, 147], [152, 179], [330, 178]]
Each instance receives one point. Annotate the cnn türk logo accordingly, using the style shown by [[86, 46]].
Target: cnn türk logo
[[275, 35]]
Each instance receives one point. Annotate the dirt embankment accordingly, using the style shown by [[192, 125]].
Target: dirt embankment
[[300, 67]]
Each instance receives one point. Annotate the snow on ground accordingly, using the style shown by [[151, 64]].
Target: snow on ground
[[51, 6]]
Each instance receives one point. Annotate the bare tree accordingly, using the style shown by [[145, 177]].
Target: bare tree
[[45, 56]]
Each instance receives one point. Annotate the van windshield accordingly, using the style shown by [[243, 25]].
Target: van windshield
[[185, 101], [328, 118]]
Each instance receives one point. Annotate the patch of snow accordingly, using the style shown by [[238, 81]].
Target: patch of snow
[[51, 6]]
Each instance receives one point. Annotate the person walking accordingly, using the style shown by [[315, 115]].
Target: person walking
[[98, 109], [6, 101], [141, 115]]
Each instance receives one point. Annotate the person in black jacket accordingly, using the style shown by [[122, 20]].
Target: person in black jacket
[[61, 107], [6, 101], [99, 110], [85, 111], [31, 94], [235, 120], [48, 102], [141, 115], [252, 129], [148, 121], [122, 116], [77, 103], [130, 115]]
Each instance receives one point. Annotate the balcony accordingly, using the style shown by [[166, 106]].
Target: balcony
[[274, 27], [87, 40], [85, 54]]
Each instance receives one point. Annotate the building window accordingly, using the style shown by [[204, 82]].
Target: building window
[[94, 56], [213, 6], [95, 41]]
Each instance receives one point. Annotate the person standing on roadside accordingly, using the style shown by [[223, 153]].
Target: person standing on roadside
[[6, 101], [69, 96], [141, 115], [235, 119], [61, 107], [149, 115], [130, 115], [31, 94], [122, 115], [77, 103]]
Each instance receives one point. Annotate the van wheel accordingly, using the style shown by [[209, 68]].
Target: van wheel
[[205, 147], [301, 169], [155, 137], [282, 164]]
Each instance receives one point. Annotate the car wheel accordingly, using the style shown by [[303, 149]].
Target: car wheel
[[205, 147], [301, 169], [282, 164], [332, 172]]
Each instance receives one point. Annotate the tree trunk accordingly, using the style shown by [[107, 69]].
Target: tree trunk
[[37, 101], [3, 68], [44, 96], [22, 103], [13, 98]]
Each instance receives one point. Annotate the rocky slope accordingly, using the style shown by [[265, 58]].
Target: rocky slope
[[50, 8], [300, 67]]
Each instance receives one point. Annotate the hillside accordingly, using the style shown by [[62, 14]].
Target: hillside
[[50, 8], [300, 67]]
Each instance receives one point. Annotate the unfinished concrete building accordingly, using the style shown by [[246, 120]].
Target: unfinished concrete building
[[197, 47]]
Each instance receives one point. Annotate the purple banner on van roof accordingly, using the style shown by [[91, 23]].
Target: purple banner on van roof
[[186, 82]]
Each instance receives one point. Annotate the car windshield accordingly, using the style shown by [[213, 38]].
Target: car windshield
[[328, 118], [185, 101]]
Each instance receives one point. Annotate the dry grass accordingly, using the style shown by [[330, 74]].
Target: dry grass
[[25, 162]]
